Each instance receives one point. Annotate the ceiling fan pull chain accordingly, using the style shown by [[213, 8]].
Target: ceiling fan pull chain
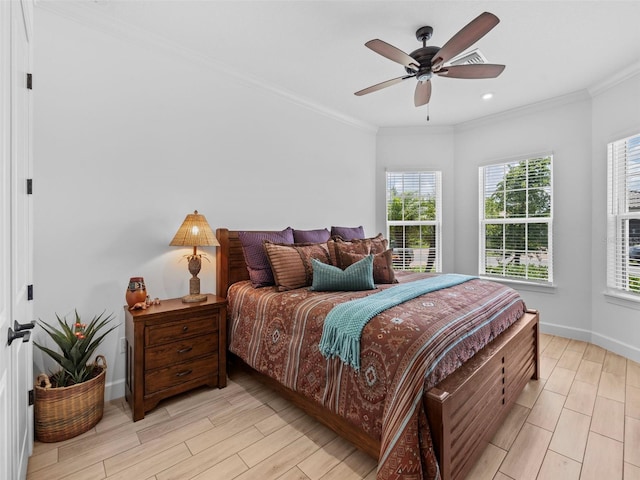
[[427, 112]]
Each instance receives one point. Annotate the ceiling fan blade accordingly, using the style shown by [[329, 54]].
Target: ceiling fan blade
[[467, 36], [380, 86], [423, 93], [392, 53], [486, 70]]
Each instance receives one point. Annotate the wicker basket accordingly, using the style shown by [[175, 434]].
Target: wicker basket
[[65, 412]]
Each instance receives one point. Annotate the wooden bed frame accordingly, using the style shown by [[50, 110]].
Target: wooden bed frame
[[464, 410]]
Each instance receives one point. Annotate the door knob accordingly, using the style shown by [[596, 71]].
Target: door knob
[[14, 335], [18, 327]]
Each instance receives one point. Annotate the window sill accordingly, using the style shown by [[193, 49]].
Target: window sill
[[523, 285], [622, 299]]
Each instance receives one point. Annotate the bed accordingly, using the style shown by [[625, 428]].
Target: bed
[[454, 419]]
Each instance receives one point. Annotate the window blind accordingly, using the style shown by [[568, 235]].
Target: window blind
[[413, 219], [623, 215], [516, 219]]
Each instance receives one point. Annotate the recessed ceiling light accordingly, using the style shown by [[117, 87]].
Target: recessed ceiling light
[[487, 96]]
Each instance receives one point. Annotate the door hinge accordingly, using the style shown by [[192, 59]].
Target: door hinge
[[29, 292], [30, 81], [31, 397], [29, 186]]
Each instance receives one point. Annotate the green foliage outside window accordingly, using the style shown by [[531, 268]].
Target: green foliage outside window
[[412, 213], [522, 191], [411, 207]]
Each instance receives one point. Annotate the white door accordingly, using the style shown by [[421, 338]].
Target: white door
[[5, 240], [16, 239]]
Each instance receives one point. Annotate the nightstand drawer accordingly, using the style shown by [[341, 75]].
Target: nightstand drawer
[[187, 327], [180, 351], [179, 373]]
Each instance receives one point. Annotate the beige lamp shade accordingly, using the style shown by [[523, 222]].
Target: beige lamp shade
[[195, 232]]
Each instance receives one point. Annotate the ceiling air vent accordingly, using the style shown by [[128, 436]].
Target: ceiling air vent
[[471, 57]]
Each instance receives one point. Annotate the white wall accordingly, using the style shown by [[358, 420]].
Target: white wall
[[616, 115], [130, 138], [575, 129], [562, 128]]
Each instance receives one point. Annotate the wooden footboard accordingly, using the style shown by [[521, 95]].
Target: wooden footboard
[[467, 408], [464, 410]]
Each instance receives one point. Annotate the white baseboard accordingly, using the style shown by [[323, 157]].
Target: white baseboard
[[113, 390], [567, 332], [616, 346]]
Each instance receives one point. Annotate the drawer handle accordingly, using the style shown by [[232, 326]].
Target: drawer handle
[[185, 350], [185, 328], [182, 374]]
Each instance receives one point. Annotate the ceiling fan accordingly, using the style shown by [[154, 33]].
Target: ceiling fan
[[424, 62]]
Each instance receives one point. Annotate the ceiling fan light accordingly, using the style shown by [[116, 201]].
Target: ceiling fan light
[[423, 77]]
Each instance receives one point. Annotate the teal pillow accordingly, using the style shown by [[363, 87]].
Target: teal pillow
[[358, 276]]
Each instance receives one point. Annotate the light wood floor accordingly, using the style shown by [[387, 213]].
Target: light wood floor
[[580, 421]]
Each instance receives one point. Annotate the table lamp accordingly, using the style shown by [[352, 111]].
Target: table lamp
[[194, 232]]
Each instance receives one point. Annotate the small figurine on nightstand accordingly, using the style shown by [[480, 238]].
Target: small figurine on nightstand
[[139, 306]]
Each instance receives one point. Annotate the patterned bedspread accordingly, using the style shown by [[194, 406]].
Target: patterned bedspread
[[405, 351]]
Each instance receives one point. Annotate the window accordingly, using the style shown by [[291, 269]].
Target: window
[[413, 220], [623, 212], [516, 220]]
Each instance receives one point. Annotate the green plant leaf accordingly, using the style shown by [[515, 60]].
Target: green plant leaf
[[76, 352]]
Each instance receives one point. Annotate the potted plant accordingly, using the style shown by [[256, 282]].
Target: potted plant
[[70, 401]]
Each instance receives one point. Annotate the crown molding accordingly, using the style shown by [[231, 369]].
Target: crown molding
[[96, 15], [415, 130], [610, 82]]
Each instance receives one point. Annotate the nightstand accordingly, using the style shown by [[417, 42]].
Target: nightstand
[[172, 348]]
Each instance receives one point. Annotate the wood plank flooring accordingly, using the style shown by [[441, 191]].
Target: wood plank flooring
[[581, 420]]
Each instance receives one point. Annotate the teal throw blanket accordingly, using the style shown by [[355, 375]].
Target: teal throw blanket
[[344, 323]]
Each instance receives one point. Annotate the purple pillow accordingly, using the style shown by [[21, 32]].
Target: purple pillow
[[311, 236], [348, 233], [255, 256]]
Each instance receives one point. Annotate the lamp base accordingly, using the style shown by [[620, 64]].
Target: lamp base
[[194, 298]]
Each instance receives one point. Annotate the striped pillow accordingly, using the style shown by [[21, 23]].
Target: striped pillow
[[255, 256], [327, 278], [291, 264]]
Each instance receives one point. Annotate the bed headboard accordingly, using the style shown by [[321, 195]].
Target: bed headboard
[[231, 266]]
